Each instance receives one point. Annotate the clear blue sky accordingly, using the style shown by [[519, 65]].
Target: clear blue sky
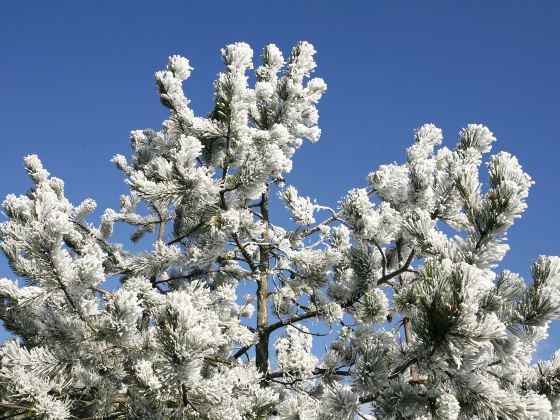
[[76, 77]]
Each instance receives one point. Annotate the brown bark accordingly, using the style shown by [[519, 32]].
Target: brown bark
[[262, 297], [414, 375]]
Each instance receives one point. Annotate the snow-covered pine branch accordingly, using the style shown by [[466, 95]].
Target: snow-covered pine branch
[[417, 322]]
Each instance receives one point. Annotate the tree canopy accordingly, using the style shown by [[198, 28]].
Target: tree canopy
[[218, 319]]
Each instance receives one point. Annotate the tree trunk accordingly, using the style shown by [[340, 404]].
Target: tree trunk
[[262, 297]]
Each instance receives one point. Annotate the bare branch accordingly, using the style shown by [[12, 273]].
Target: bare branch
[[316, 371], [245, 254], [161, 232], [242, 351], [186, 401], [106, 294], [311, 333], [9, 406], [186, 235], [316, 228], [383, 257], [402, 368]]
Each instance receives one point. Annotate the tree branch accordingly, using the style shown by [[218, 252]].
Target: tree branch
[[244, 252], [186, 235], [106, 294], [384, 258], [316, 228], [186, 401], [9, 406], [354, 299], [335, 216]]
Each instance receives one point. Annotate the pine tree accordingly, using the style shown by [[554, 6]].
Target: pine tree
[[401, 277]]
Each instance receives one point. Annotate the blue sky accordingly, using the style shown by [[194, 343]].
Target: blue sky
[[78, 76]]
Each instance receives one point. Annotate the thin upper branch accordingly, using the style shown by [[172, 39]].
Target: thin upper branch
[[384, 258], [335, 216], [354, 299], [105, 293], [186, 235], [244, 252]]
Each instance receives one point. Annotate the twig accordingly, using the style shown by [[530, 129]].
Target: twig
[[106, 294], [186, 235], [9, 406], [186, 401], [246, 255], [384, 268]]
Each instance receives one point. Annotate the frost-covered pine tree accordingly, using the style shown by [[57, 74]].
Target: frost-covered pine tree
[[400, 277]]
